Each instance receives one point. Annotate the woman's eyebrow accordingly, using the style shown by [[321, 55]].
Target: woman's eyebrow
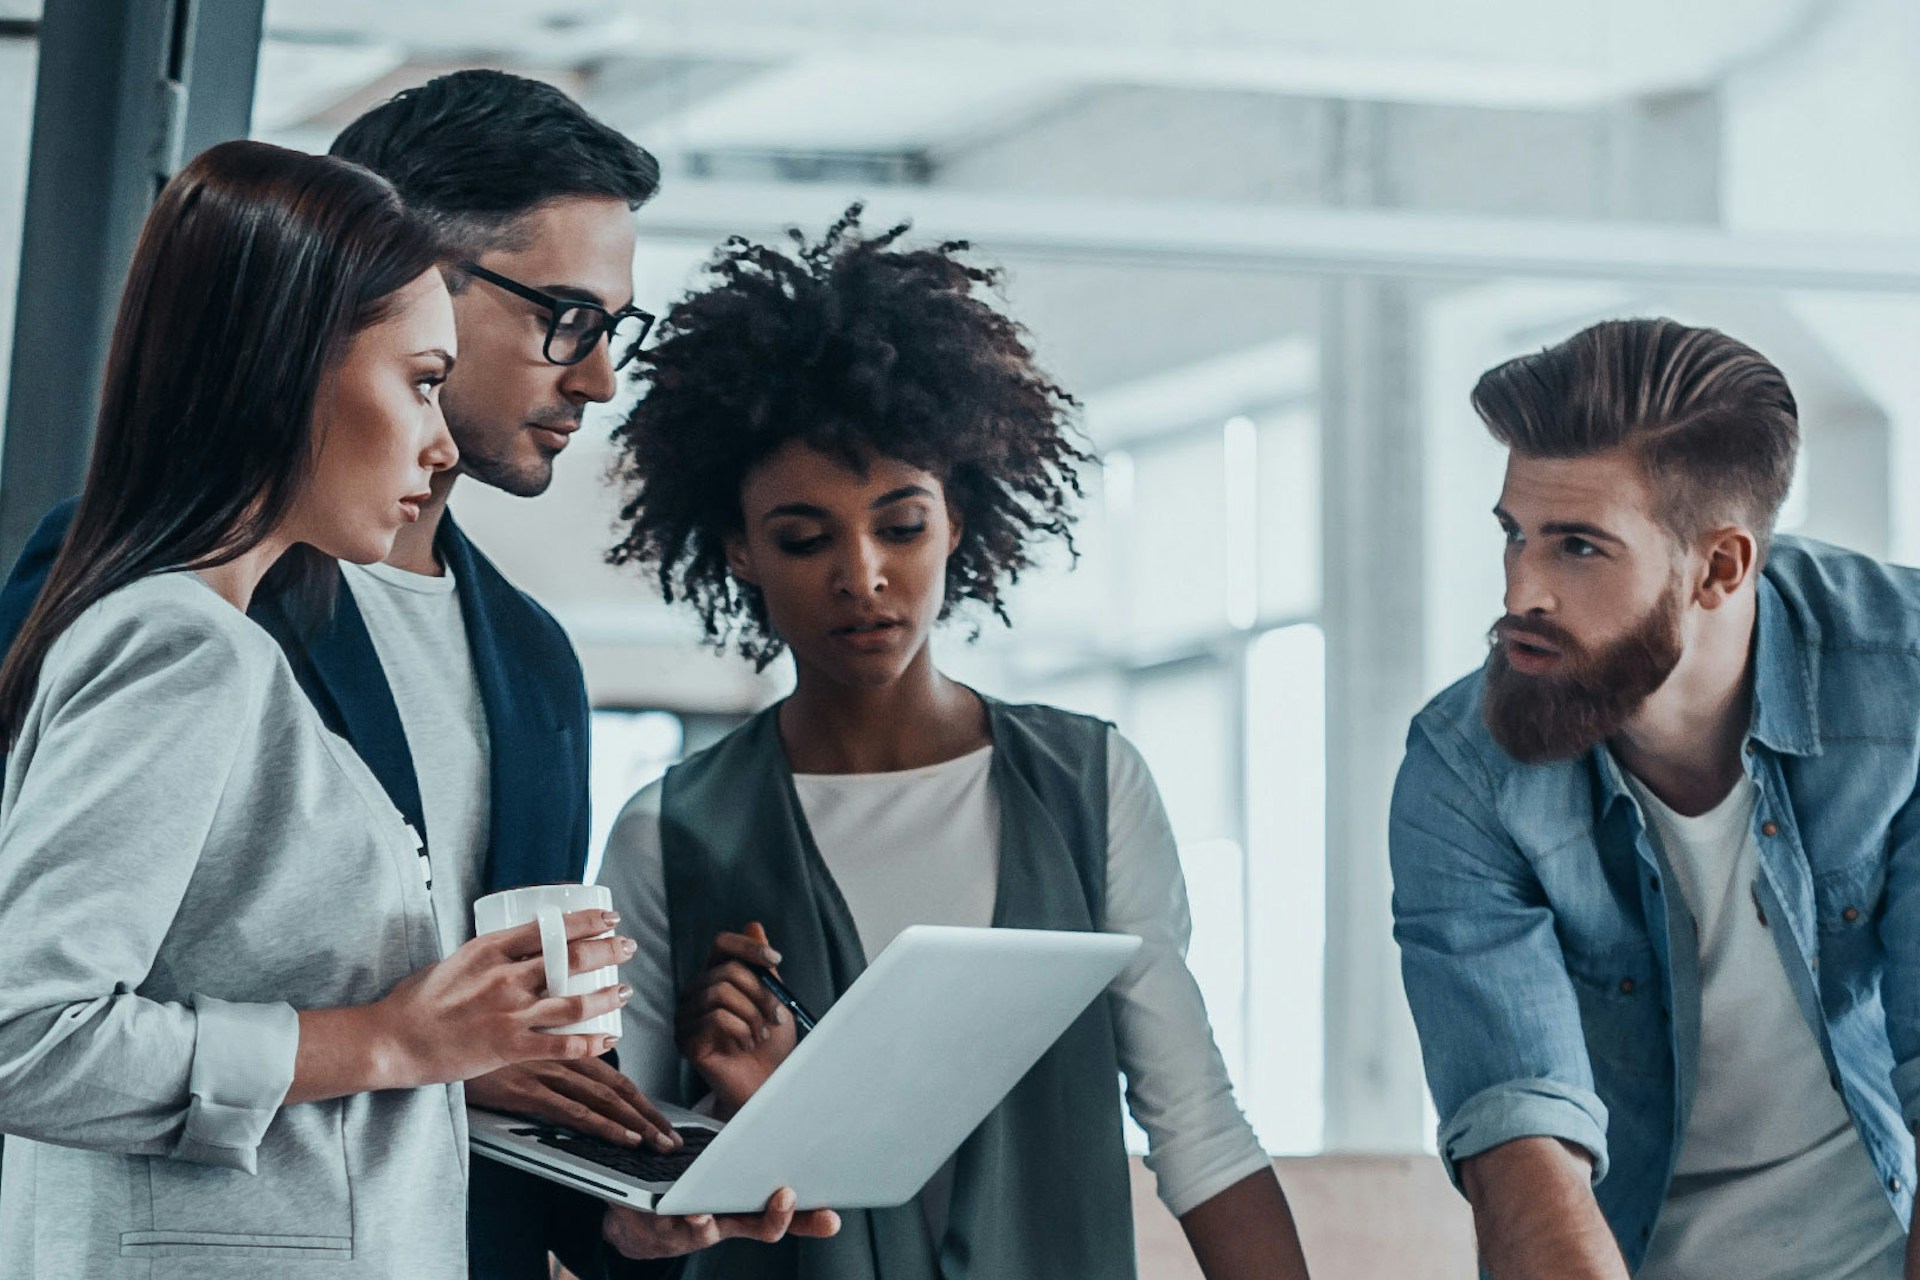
[[901, 494], [796, 509]]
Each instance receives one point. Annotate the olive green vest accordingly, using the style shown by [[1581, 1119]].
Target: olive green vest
[[1041, 1187]]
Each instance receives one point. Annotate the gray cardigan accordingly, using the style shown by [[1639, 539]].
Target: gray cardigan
[[187, 856]]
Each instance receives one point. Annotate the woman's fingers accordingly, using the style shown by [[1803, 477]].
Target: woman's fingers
[[726, 995], [745, 948], [523, 940], [616, 1095], [558, 1011], [720, 1029], [818, 1223], [604, 1110], [767, 1226], [542, 1044], [744, 980], [599, 953]]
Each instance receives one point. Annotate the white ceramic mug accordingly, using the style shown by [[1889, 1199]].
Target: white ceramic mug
[[546, 903]]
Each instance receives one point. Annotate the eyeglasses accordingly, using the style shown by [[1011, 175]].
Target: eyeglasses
[[575, 327]]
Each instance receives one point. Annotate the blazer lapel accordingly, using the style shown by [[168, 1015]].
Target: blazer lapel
[[340, 670], [513, 858]]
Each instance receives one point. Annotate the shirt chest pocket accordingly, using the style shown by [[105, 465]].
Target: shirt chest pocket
[[1622, 1012], [1847, 904]]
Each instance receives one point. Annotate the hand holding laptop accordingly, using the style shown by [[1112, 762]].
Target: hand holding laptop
[[651, 1235], [730, 1026], [860, 1112]]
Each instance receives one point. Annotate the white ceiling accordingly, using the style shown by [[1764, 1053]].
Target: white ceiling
[[857, 75]]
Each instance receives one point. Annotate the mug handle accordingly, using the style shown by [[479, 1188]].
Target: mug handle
[[553, 948]]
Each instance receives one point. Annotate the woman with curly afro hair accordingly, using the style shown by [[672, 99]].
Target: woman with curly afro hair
[[836, 447]]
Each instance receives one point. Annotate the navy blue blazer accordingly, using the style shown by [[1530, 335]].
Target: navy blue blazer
[[537, 720]]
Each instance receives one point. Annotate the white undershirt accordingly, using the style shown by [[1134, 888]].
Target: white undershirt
[[1772, 1181], [421, 637], [922, 847]]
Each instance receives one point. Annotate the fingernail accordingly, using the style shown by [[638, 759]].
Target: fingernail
[[631, 1135], [626, 993], [773, 956], [628, 946], [611, 917], [766, 1032], [700, 1220], [664, 1141], [784, 1198]]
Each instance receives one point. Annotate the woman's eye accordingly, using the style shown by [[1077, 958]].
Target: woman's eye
[[905, 532], [803, 546], [427, 387]]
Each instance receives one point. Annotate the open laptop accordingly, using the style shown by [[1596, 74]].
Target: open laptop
[[873, 1101]]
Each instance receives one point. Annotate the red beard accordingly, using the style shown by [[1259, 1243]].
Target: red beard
[[1564, 715]]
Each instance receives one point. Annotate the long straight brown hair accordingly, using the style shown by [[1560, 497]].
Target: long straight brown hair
[[254, 270]]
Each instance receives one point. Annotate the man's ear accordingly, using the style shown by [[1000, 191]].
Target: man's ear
[[1731, 559], [740, 559]]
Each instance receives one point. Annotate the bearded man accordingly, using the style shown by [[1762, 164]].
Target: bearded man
[[1657, 864]]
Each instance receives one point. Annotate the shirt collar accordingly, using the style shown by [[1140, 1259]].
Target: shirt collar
[[1785, 679], [1784, 719]]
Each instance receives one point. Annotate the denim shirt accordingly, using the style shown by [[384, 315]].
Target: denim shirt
[[1553, 970]]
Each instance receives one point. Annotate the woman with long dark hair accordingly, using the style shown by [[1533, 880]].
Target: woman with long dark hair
[[228, 1043], [835, 448]]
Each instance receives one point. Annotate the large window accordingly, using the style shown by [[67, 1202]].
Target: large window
[[1273, 281]]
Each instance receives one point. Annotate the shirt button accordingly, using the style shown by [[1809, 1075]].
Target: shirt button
[[1850, 914], [1893, 1184], [1769, 829], [1626, 986]]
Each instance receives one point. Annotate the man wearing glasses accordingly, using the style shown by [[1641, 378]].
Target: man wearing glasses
[[463, 696]]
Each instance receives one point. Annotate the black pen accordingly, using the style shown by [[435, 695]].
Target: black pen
[[801, 1018]]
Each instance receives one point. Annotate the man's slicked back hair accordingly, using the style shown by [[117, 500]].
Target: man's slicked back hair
[[474, 151], [1712, 420]]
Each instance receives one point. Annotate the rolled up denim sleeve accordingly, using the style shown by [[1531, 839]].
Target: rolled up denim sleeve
[[1499, 1023], [1899, 927]]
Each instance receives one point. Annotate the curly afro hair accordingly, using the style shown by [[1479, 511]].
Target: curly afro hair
[[859, 348]]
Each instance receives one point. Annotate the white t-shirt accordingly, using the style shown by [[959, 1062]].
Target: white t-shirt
[[421, 637], [922, 846], [1772, 1181]]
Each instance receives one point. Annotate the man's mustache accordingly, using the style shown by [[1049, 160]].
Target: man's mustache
[[1539, 628]]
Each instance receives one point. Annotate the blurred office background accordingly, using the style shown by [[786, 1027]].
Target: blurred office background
[[1271, 245]]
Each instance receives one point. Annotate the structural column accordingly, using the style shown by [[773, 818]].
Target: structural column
[[1374, 591], [127, 89]]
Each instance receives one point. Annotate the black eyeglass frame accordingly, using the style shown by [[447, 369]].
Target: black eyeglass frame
[[556, 305]]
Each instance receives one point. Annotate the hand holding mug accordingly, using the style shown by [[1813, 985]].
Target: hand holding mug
[[487, 1005]]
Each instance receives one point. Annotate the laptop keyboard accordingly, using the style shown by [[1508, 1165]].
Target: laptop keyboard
[[642, 1163]]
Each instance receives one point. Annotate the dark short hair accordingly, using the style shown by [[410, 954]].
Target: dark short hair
[[253, 271], [1712, 420], [860, 348], [475, 151]]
